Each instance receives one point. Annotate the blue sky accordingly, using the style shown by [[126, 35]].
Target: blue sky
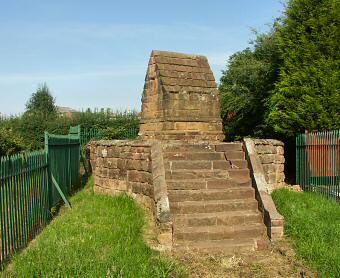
[[95, 53]]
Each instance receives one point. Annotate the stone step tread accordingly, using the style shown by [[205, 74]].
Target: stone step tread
[[189, 148], [218, 214], [189, 207], [239, 163], [233, 146], [233, 189], [211, 229], [214, 232], [185, 174], [223, 218], [196, 184], [174, 156], [231, 170], [207, 202], [233, 244], [234, 193], [221, 164]]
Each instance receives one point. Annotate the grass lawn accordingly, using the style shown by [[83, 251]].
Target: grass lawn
[[100, 236], [313, 223]]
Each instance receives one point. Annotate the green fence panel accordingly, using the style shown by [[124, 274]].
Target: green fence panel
[[32, 184], [27, 193], [64, 163], [24, 204], [318, 162]]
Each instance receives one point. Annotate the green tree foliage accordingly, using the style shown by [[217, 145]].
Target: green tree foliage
[[308, 93], [10, 142], [42, 103], [40, 111], [246, 87]]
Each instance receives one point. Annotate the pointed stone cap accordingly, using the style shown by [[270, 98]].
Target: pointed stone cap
[[180, 99]]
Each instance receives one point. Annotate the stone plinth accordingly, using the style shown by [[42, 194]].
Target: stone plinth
[[180, 99]]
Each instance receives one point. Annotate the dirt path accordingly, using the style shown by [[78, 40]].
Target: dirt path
[[278, 261]]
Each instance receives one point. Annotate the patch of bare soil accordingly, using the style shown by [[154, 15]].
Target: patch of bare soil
[[279, 260]]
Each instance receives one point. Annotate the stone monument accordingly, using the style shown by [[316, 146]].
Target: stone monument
[[180, 99]]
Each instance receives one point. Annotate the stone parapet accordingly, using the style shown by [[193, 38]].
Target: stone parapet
[[256, 150], [271, 155]]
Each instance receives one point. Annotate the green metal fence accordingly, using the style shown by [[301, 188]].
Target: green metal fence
[[318, 162], [32, 184], [88, 134], [63, 153], [24, 199]]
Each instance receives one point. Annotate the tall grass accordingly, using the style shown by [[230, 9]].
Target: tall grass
[[101, 236], [313, 223]]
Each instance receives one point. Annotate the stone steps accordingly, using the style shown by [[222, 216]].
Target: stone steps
[[212, 183], [211, 194], [211, 198], [189, 148], [225, 147], [197, 165], [215, 206], [224, 218], [227, 246], [251, 230], [193, 156], [239, 163], [195, 174]]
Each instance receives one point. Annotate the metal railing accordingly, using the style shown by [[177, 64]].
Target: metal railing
[[31, 184], [318, 162]]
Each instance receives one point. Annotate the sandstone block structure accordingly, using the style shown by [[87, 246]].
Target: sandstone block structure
[[180, 99], [205, 194]]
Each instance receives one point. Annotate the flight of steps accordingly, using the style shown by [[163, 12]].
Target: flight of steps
[[211, 199]]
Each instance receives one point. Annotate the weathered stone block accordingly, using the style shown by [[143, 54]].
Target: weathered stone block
[[139, 176], [266, 149], [270, 168], [272, 158]]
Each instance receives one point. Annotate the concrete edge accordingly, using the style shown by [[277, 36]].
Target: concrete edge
[[162, 205], [273, 220]]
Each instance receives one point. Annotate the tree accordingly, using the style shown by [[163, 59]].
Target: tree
[[308, 92], [42, 102], [246, 88], [40, 112]]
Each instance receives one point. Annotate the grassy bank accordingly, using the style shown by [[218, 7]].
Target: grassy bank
[[100, 236], [313, 223]]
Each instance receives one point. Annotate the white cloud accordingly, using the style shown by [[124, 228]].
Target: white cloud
[[218, 58]]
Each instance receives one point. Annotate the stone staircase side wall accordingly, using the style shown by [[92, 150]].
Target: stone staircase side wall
[[136, 168], [256, 153], [271, 155], [121, 166]]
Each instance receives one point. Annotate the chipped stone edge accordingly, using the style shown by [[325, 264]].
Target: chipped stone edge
[[273, 220], [162, 205]]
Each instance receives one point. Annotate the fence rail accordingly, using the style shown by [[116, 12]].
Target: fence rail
[[318, 162]]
